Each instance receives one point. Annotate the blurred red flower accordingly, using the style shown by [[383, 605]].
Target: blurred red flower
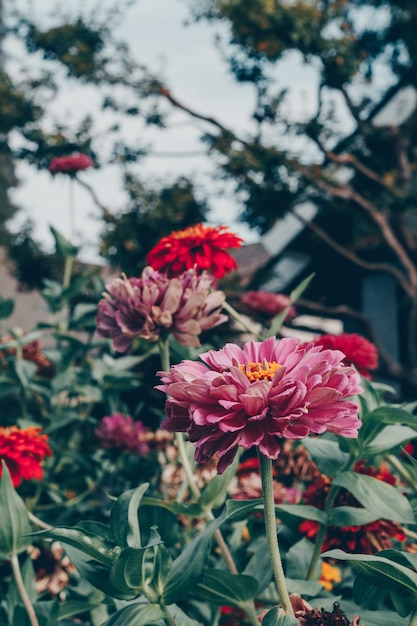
[[70, 164], [367, 539], [23, 451], [267, 303], [360, 352], [203, 247]]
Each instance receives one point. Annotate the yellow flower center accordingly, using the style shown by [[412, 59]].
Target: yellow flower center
[[260, 371]]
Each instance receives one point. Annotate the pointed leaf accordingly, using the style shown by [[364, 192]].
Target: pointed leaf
[[379, 571], [136, 615], [14, 517], [221, 587], [327, 455], [124, 519], [63, 246], [377, 496], [97, 547], [274, 617], [351, 516]]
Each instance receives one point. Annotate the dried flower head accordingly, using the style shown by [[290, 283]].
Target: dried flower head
[[121, 431], [267, 303], [360, 352], [23, 451], [52, 568], [70, 164], [154, 305], [255, 395], [203, 247]]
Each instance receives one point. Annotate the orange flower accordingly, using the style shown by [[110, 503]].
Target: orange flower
[[329, 575], [23, 451], [201, 246]]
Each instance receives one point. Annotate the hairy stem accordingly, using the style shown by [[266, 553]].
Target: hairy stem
[[271, 532]]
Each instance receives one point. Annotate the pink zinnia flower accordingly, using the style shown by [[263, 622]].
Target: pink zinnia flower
[[360, 352], [154, 305], [255, 395], [121, 431], [267, 303], [70, 164]]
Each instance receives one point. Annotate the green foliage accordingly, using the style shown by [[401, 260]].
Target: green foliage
[[15, 526]]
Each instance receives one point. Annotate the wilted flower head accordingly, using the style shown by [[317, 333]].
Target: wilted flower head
[[70, 164], [267, 303], [368, 538], [23, 451], [360, 352], [154, 305], [256, 395], [203, 247], [52, 568], [121, 431]]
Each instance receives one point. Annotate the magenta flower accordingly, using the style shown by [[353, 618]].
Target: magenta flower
[[70, 164], [256, 395], [154, 305], [121, 431]]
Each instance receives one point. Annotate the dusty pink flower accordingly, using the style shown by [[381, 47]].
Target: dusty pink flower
[[121, 431], [70, 164], [267, 303], [154, 305], [255, 395]]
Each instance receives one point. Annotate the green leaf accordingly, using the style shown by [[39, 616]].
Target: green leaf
[[136, 615], [274, 617], [71, 608], [221, 587], [303, 587], [124, 519], [6, 307], [178, 508], [327, 455], [351, 516], [14, 517], [239, 509], [300, 511], [390, 437], [403, 603], [379, 571], [189, 567], [375, 421], [377, 496], [62, 245], [298, 560], [97, 547]]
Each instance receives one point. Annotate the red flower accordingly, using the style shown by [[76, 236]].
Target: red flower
[[201, 246], [360, 352], [267, 303], [367, 539], [70, 164], [23, 451]]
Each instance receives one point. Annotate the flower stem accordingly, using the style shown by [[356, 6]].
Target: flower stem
[[321, 535], [167, 616], [241, 320], [271, 532], [14, 560], [413, 618]]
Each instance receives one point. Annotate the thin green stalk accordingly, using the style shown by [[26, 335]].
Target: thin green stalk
[[14, 560], [241, 320], [271, 532], [402, 470]]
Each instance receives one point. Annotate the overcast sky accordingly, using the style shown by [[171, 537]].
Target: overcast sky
[[187, 59]]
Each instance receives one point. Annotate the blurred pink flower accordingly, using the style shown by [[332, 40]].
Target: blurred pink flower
[[154, 305], [121, 431], [254, 396], [267, 303], [70, 164]]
